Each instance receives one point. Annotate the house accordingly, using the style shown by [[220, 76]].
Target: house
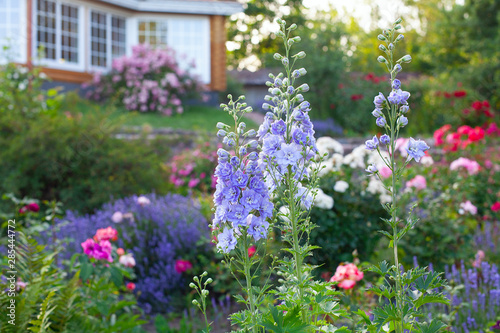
[[71, 39]]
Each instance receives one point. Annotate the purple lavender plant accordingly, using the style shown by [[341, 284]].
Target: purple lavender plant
[[158, 230]]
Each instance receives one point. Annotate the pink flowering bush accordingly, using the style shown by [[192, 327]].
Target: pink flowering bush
[[193, 169], [150, 80]]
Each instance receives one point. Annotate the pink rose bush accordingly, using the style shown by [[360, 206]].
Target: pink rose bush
[[182, 265], [150, 80], [419, 183], [347, 275], [100, 250], [471, 166]]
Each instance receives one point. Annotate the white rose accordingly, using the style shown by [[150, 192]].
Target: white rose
[[127, 260], [323, 200], [285, 212], [341, 186], [143, 201], [117, 217]]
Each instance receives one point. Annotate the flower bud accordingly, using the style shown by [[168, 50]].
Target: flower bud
[[248, 109], [399, 20], [223, 154], [266, 106], [285, 61], [382, 48], [397, 68], [302, 71], [221, 133], [242, 126], [209, 280], [381, 122], [292, 27], [397, 27], [280, 34], [290, 42], [277, 56], [299, 98], [280, 21], [276, 91], [296, 39], [405, 59], [404, 109], [381, 59], [195, 302], [390, 46], [230, 142], [304, 87], [229, 96], [253, 156], [252, 144], [269, 83], [399, 38], [304, 105], [377, 113], [221, 125], [204, 292], [402, 121], [381, 38], [267, 98], [290, 90], [300, 55], [192, 285], [243, 151], [250, 134]]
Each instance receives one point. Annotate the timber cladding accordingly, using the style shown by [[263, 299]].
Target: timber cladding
[[217, 53]]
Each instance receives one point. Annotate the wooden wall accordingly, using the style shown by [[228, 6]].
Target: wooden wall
[[218, 53]]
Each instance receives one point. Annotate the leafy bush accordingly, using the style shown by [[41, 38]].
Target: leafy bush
[[148, 80], [159, 231], [20, 91], [75, 159]]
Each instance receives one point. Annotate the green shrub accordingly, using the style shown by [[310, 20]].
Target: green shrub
[[75, 159]]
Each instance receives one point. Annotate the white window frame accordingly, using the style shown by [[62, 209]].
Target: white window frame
[[109, 41], [60, 63], [203, 68], [20, 40]]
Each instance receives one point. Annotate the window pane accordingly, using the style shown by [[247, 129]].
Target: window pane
[[153, 33], [69, 33], [46, 28], [118, 36], [98, 49]]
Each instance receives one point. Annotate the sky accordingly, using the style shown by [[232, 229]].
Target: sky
[[361, 9]]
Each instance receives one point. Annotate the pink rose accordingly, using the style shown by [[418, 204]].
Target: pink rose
[[182, 265], [106, 234], [418, 182], [385, 171], [467, 207], [471, 166], [131, 286]]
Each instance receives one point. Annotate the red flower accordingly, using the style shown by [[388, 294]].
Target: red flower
[[477, 105], [464, 130], [486, 104], [182, 265], [488, 113], [476, 134], [496, 206], [106, 234], [492, 129], [369, 77], [460, 93], [356, 97], [439, 134], [251, 251], [131, 286], [447, 95], [332, 106], [32, 207]]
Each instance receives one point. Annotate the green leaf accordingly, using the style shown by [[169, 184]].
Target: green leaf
[[86, 270], [116, 276], [433, 298], [432, 327]]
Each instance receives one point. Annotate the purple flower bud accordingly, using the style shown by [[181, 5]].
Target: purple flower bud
[[398, 68], [253, 156], [235, 161], [304, 105], [385, 139], [299, 98], [290, 90], [377, 113], [229, 142], [303, 87], [223, 154], [252, 144], [381, 122], [402, 121], [221, 133], [372, 144], [221, 125], [278, 82], [396, 84], [243, 151], [379, 100], [404, 109], [266, 106], [371, 168]]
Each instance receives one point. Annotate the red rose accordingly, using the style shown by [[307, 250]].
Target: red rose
[[33, 207], [460, 93], [131, 286], [477, 105], [496, 206]]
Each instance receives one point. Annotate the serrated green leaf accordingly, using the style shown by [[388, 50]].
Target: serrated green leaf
[[433, 298]]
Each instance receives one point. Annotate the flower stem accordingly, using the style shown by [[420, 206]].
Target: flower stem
[[248, 278]]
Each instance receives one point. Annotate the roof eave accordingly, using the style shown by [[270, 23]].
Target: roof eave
[[225, 8]]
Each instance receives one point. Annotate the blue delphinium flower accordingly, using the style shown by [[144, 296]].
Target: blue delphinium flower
[[385, 139], [416, 149], [226, 240], [372, 144], [381, 122], [372, 168], [402, 121]]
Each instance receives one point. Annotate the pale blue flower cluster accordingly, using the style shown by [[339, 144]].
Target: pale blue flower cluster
[[241, 197], [288, 145]]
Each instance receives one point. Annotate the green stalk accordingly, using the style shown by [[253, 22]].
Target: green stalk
[[296, 249], [248, 278]]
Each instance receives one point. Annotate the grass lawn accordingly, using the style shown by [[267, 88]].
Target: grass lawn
[[195, 117]]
